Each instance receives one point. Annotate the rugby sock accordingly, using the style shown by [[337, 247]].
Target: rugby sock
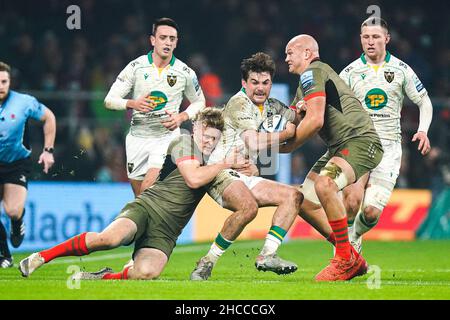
[[273, 240], [361, 226], [123, 275], [332, 239], [4, 250], [343, 246], [218, 247], [350, 223], [75, 246]]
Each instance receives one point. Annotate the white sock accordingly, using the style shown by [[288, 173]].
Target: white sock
[[214, 253], [360, 226], [271, 245]]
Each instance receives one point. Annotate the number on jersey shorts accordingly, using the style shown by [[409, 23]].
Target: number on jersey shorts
[[145, 153], [382, 179], [225, 178]]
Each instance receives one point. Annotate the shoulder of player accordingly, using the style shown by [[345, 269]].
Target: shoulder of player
[[182, 138], [22, 96], [139, 62], [399, 64], [179, 142], [238, 101], [182, 68], [352, 67]]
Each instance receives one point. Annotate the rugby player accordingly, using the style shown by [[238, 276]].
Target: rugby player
[[354, 147], [154, 219], [157, 82], [244, 114], [380, 81], [15, 163]]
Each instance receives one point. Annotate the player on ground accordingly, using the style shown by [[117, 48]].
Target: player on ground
[[157, 82], [379, 80], [15, 163], [244, 114], [354, 147], [155, 219]]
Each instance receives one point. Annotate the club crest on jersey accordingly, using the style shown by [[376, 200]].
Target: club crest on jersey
[[389, 76], [171, 79]]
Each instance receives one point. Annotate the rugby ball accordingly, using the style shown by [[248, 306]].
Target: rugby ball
[[274, 123]]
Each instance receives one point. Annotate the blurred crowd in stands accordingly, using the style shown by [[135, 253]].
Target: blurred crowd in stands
[[214, 37]]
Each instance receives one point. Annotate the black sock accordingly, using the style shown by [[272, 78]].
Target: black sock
[[4, 250]]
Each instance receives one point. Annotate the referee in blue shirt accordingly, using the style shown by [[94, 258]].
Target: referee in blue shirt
[[15, 164]]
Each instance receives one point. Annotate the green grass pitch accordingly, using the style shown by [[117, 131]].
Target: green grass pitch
[[405, 270]]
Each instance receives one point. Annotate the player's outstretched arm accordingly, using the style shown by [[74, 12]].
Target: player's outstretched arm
[[49, 128]]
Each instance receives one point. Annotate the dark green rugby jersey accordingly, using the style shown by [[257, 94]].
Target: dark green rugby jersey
[[170, 197], [344, 116]]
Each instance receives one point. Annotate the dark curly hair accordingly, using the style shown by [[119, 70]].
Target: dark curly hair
[[259, 62]]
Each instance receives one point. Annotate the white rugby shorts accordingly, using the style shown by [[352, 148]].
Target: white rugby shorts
[[145, 153]]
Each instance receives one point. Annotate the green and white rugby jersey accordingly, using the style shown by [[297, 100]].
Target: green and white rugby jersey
[[241, 114], [166, 87], [381, 91]]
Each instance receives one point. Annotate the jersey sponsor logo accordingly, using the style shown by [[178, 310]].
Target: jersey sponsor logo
[[159, 98], [307, 81], [348, 69], [196, 84], [418, 84], [134, 63], [376, 99], [401, 64], [171, 79], [186, 69], [234, 174], [246, 118], [389, 76]]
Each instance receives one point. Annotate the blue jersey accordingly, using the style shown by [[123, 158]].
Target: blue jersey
[[14, 113]]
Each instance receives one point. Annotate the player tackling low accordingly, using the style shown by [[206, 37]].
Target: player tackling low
[[354, 147], [155, 219]]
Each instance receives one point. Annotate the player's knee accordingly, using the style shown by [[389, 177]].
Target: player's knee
[[146, 272], [295, 197], [352, 203], [371, 214], [324, 185], [249, 209]]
